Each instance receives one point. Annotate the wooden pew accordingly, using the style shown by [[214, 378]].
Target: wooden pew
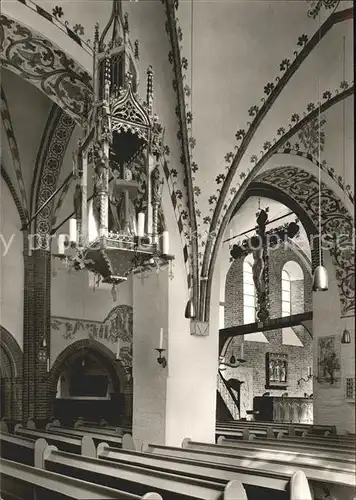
[[19, 449], [139, 479], [271, 433], [80, 423], [289, 429], [302, 445], [261, 445], [343, 479], [275, 456], [253, 480], [310, 428], [24, 482], [115, 441], [82, 445]]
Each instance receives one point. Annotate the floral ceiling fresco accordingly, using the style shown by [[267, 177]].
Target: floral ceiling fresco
[[37, 60], [337, 224], [201, 211]]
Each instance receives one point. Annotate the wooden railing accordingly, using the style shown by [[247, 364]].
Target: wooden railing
[[228, 397]]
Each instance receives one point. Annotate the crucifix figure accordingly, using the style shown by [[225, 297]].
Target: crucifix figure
[[260, 266]]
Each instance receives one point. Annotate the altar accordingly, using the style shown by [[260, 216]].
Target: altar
[[283, 409]]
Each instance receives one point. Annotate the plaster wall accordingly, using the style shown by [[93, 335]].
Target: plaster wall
[[11, 266], [330, 405]]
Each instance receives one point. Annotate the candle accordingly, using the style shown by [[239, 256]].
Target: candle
[[309, 371], [165, 242], [73, 230], [141, 224], [48, 367], [242, 350], [60, 243], [161, 338]]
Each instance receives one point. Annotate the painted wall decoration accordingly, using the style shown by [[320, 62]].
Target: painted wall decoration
[[276, 370], [116, 325], [44, 65], [329, 367], [336, 223]]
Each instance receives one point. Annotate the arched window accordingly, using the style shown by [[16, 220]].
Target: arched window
[[249, 292], [292, 298], [286, 294], [292, 289], [250, 300]]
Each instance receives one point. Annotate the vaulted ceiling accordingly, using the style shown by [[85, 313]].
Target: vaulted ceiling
[[237, 83]]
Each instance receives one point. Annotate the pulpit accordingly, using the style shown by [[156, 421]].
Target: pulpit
[[283, 409]]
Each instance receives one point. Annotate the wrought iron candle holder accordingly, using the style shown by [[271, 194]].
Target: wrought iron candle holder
[[162, 360]]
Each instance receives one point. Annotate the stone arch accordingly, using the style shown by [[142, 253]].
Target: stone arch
[[13, 351], [11, 360], [337, 224], [63, 80], [298, 189], [106, 358], [114, 366], [54, 143]]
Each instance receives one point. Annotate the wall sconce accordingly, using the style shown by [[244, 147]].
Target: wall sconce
[[310, 376], [162, 360], [234, 363]]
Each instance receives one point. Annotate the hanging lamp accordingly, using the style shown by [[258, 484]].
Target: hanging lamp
[[346, 337], [320, 277], [190, 309]]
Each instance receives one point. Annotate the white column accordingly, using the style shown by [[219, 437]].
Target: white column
[[180, 400]]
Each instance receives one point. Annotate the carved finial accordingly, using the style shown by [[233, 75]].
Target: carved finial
[[137, 55], [149, 88], [126, 23], [128, 79], [116, 23], [107, 79], [96, 35]]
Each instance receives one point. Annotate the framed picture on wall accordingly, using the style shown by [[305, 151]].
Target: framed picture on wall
[[329, 366], [276, 371]]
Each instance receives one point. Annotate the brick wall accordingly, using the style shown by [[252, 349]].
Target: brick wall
[[299, 358], [36, 328]]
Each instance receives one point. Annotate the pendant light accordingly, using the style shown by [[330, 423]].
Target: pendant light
[[190, 309], [346, 337], [320, 277], [190, 312]]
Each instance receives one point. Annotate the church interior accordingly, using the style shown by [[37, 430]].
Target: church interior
[[177, 293]]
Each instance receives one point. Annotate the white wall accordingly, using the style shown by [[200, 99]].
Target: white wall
[[11, 266], [330, 406]]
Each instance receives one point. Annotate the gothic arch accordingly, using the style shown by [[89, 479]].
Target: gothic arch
[[11, 360], [107, 357], [54, 143], [302, 187], [63, 80], [298, 190], [12, 350]]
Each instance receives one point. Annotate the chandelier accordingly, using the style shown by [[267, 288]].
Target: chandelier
[[121, 227]]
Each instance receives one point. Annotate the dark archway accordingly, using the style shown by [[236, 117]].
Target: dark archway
[[11, 360], [115, 407]]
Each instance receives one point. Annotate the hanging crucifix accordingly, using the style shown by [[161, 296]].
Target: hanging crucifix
[[259, 246], [260, 266]]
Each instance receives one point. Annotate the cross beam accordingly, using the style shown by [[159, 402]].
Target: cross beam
[[304, 319]]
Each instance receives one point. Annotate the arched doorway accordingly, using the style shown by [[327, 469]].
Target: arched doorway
[[10, 377], [87, 381]]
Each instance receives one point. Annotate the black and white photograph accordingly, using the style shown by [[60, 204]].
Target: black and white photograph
[[177, 250]]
